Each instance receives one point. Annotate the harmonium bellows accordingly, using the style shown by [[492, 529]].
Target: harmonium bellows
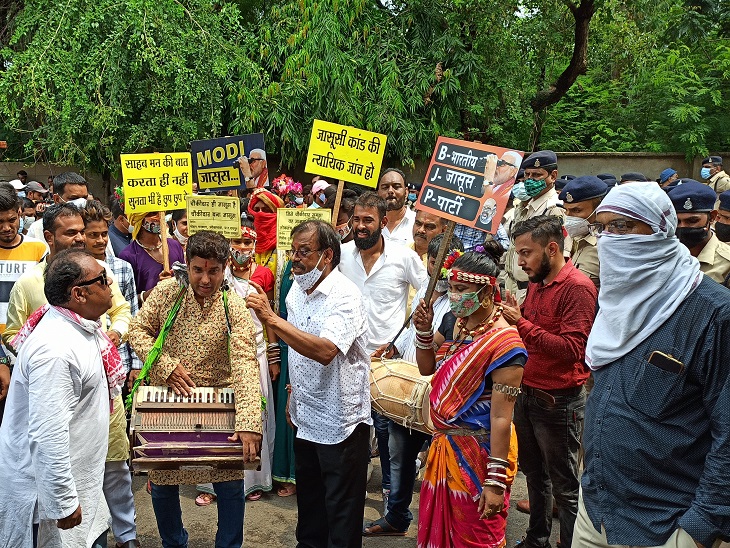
[[173, 432]]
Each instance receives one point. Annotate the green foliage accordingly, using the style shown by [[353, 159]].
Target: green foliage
[[82, 81]]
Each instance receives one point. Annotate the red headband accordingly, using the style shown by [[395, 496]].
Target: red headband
[[250, 232]]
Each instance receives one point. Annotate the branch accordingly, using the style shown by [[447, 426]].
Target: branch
[[582, 13]]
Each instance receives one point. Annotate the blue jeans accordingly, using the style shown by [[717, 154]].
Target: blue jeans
[[548, 440], [403, 446], [381, 433], [231, 501]]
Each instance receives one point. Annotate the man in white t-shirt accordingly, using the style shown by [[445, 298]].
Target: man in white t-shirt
[[383, 270], [329, 399], [392, 188]]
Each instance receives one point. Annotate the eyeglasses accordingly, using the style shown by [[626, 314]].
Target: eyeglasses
[[303, 253], [100, 278], [501, 163], [619, 226]]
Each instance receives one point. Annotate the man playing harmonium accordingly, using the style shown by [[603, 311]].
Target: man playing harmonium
[[211, 344]]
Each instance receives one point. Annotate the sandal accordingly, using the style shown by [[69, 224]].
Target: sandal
[[256, 495], [287, 490], [204, 499], [381, 528]]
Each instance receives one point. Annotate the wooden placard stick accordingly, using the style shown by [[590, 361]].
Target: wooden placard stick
[[440, 259], [338, 199], [165, 248]]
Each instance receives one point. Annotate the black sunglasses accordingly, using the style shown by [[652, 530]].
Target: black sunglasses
[[100, 278]]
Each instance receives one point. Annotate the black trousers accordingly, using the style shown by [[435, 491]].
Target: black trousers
[[331, 486]]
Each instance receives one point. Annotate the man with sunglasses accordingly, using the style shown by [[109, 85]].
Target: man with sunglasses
[[656, 434], [329, 398], [65, 229], [254, 170], [581, 196], [52, 446]]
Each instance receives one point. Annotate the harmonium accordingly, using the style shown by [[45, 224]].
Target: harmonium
[[173, 432]]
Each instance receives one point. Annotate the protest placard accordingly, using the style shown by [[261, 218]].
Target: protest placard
[[213, 160], [469, 183], [345, 153], [156, 182], [220, 214], [287, 218]]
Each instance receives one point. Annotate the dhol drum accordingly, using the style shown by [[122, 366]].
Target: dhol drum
[[399, 392]]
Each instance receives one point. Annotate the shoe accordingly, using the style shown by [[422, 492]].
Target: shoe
[[524, 544], [386, 496], [286, 490], [381, 528], [524, 507]]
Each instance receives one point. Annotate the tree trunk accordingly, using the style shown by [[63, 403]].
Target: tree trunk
[[582, 14]]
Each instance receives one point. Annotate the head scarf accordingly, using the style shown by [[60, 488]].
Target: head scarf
[[265, 221], [644, 278]]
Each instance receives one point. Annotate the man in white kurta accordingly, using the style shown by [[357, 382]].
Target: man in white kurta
[[53, 441]]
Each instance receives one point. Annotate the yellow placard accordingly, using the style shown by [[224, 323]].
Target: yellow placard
[[345, 152], [157, 181], [218, 177], [221, 214], [287, 218]]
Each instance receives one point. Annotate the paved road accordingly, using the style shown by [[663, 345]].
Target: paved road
[[271, 521]]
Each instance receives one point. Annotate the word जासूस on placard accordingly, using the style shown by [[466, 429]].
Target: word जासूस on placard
[[345, 153]]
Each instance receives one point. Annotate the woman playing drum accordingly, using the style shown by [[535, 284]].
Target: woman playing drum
[[477, 373]]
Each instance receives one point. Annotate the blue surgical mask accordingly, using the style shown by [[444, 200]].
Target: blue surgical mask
[[705, 172], [412, 196], [22, 224], [519, 192]]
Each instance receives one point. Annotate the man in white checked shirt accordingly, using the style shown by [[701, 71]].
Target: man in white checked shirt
[[329, 402]]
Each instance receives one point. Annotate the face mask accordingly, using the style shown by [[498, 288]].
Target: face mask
[[534, 187], [723, 231], [240, 257], [22, 224], [692, 236], [21, 194], [343, 230], [442, 286], [307, 280], [130, 228], [322, 197], [152, 226], [519, 192], [179, 237], [78, 202], [576, 226], [464, 304], [27, 221], [412, 197], [298, 200], [315, 205], [705, 172]]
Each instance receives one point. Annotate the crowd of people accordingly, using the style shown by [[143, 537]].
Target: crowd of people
[[585, 342]]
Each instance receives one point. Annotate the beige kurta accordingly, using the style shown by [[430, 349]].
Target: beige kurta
[[198, 341]]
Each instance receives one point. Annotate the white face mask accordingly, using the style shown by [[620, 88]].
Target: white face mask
[[180, 238], [307, 280], [576, 227], [78, 202]]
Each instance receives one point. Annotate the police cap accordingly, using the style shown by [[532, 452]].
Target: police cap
[[583, 188], [692, 196], [542, 159]]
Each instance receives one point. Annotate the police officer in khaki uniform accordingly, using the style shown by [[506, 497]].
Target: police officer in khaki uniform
[[722, 225], [695, 206], [581, 197], [537, 196], [713, 173]]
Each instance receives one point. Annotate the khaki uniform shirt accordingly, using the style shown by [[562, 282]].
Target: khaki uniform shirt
[[584, 255], [720, 182], [715, 260], [547, 204]]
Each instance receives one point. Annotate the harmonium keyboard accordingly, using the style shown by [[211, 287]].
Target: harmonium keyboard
[[173, 432]]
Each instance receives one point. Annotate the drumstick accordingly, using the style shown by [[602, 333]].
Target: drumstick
[[392, 343]]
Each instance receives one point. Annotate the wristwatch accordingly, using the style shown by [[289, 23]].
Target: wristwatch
[[5, 360]]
